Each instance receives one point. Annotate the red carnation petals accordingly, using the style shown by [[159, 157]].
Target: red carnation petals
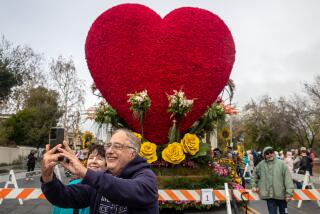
[[130, 48]]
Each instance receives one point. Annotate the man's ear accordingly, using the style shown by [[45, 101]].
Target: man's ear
[[133, 154]]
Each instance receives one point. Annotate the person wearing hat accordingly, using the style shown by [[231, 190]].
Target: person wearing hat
[[273, 182], [305, 163]]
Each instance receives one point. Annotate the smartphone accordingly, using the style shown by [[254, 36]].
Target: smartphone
[[56, 136]]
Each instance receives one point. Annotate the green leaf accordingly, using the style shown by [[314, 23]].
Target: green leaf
[[204, 147]]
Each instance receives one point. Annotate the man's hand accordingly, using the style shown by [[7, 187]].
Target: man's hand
[[255, 189], [50, 159], [288, 199], [73, 164]]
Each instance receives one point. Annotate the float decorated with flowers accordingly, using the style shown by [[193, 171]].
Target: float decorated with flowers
[[163, 78]]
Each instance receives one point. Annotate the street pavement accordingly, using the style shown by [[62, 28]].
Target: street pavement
[[307, 207]]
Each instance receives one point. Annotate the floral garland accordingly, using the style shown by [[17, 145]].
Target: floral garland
[[179, 106], [140, 103], [105, 113]]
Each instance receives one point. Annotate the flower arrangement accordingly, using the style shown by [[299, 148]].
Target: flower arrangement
[[148, 150], [139, 136], [190, 144], [87, 139], [179, 106], [225, 133], [220, 170], [104, 114], [139, 104], [173, 153]]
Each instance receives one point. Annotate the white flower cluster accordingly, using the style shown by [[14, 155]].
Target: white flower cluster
[[140, 97], [140, 101], [179, 105], [179, 99]]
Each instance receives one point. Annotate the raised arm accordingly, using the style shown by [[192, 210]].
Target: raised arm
[[72, 196], [140, 191]]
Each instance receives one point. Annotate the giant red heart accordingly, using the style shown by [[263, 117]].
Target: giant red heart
[[130, 48]]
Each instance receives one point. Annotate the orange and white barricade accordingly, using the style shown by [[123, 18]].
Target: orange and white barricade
[[298, 194], [188, 195], [205, 196], [21, 194], [11, 179], [309, 181]]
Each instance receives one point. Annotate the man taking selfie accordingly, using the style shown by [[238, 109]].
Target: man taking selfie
[[128, 186]]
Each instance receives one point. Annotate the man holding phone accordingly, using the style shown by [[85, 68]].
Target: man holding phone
[[273, 182], [128, 186]]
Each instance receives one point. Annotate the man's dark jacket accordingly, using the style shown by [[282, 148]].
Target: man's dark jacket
[[133, 191]]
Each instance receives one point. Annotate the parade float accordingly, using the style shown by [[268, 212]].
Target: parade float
[[161, 78]]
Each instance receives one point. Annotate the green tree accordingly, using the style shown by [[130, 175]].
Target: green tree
[[20, 70], [31, 125], [264, 125]]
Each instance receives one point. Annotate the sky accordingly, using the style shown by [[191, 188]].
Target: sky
[[277, 42]]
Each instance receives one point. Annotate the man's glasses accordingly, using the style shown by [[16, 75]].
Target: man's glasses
[[117, 146], [268, 153]]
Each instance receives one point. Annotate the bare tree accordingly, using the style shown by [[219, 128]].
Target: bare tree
[[70, 89], [302, 121], [264, 124], [25, 69]]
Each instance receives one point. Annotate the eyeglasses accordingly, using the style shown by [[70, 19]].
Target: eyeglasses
[[268, 153], [117, 146]]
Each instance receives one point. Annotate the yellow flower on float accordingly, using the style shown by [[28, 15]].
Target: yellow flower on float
[[226, 133], [148, 151], [139, 136], [173, 153], [190, 143]]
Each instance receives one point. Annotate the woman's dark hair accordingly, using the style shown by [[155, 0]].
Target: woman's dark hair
[[97, 148]]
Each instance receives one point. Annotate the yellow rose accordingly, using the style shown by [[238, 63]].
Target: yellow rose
[[139, 136], [173, 153], [190, 143], [148, 150]]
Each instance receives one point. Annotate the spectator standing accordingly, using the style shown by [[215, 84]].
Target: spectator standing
[[305, 163], [31, 163], [312, 156], [289, 161], [273, 182]]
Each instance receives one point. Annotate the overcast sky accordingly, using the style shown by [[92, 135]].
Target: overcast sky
[[277, 42]]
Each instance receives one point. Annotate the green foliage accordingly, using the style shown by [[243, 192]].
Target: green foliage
[[31, 125], [194, 182], [204, 148], [19, 66], [172, 133], [7, 81], [180, 206], [106, 114], [209, 120]]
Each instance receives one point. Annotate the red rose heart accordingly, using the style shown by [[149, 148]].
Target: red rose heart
[[130, 48]]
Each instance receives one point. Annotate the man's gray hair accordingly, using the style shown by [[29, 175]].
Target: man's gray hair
[[133, 140]]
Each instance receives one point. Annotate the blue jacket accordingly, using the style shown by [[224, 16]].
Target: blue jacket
[[59, 210], [133, 191]]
